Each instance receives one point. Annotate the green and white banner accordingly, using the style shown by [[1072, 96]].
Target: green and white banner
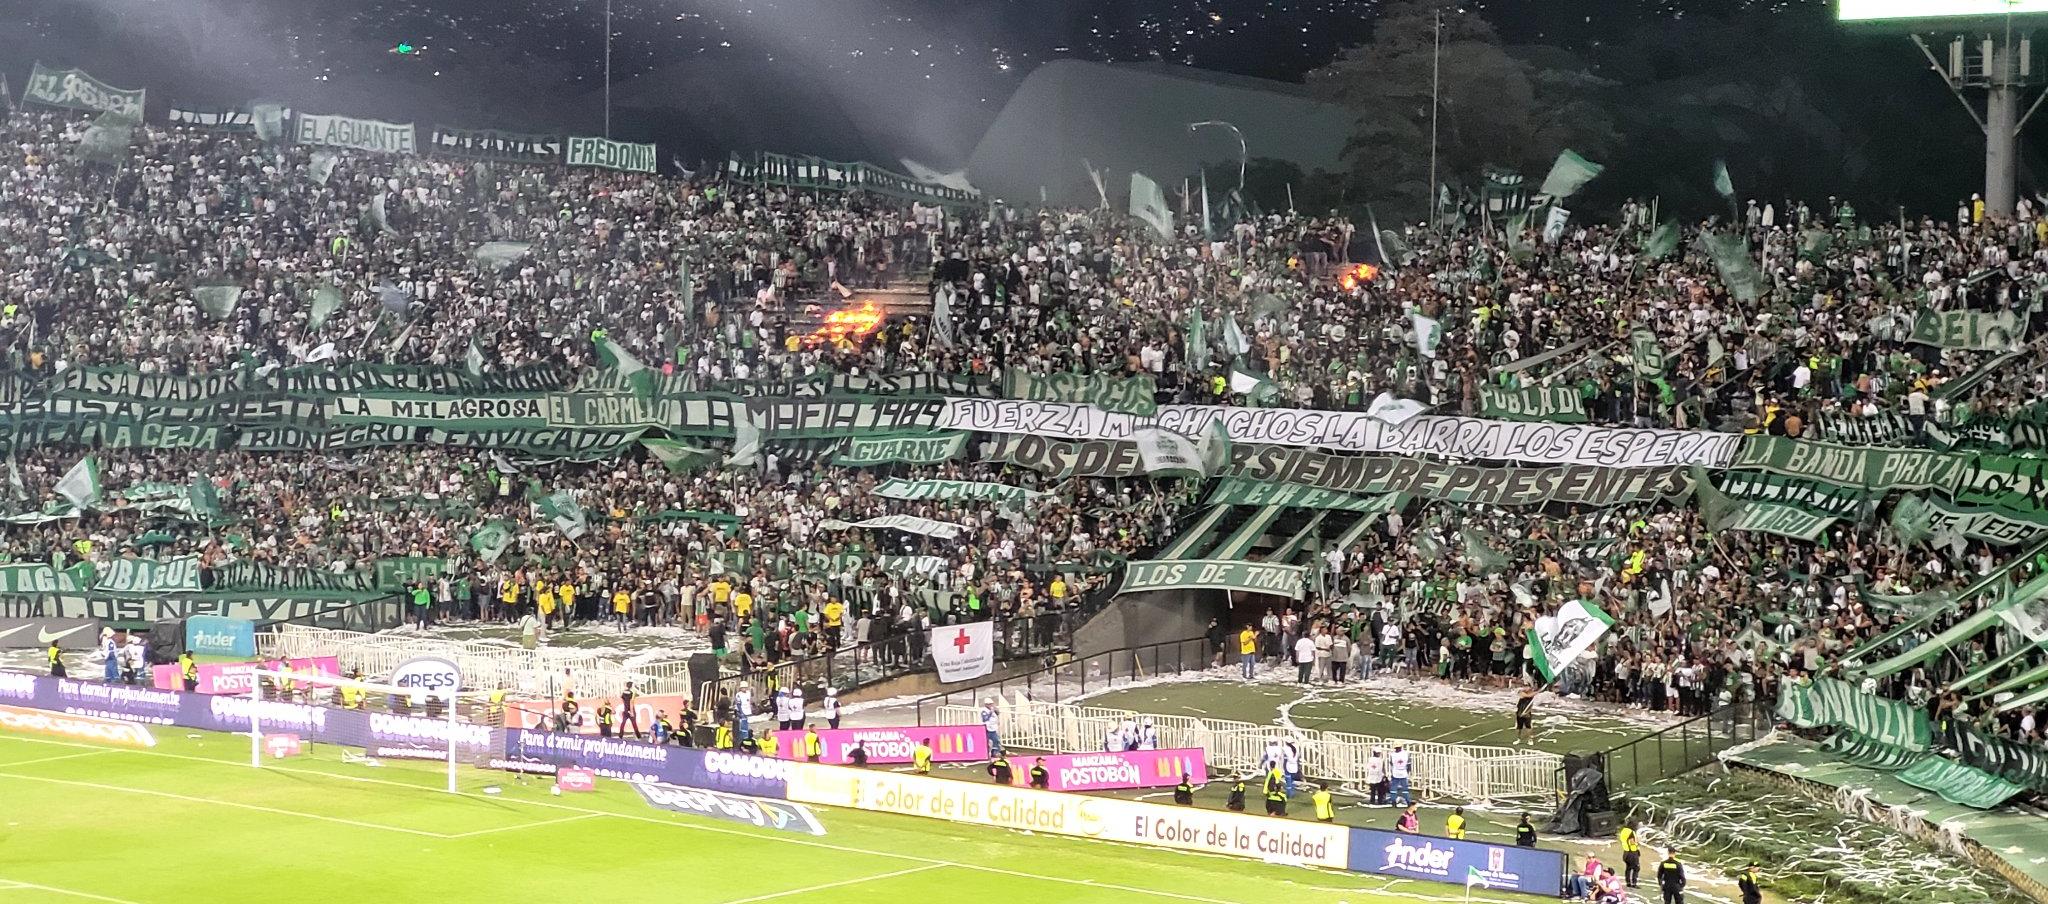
[[911, 448], [1988, 525], [1772, 518], [1883, 430], [40, 578], [1969, 329], [898, 488], [1559, 640], [1814, 496], [1557, 404], [910, 383], [912, 524], [74, 89], [1356, 431], [490, 144], [1379, 474], [371, 135], [1123, 395], [1240, 491], [618, 155], [1827, 702], [1290, 581], [680, 456], [179, 575]]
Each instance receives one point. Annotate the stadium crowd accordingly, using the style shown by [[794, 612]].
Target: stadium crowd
[[697, 275]]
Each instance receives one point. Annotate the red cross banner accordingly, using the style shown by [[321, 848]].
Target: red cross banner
[[964, 651]]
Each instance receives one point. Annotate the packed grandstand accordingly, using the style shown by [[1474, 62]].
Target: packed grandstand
[[1787, 457]]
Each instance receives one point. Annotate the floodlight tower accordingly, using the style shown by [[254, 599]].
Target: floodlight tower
[[1977, 45]]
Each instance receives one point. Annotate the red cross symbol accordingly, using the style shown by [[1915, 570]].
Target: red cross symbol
[[961, 641]]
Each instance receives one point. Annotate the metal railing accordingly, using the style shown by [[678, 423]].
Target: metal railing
[[544, 672], [1101, 671], [872, 662], [1459, 772], [1685, 746]]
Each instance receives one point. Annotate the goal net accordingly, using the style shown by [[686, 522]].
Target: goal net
[[289, 713]]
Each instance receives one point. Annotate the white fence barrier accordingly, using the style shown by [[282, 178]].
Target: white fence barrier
[[1457, 772], [543, 672]]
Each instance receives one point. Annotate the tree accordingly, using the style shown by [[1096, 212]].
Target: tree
[[1514, 107]]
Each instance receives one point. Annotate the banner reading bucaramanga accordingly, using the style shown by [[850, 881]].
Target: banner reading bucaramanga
[[1354, 431]]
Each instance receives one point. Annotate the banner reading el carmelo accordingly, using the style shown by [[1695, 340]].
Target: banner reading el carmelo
[[618, 155]]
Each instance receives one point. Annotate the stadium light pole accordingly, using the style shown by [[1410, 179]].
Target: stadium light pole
[[1242, 155], [607, 68]]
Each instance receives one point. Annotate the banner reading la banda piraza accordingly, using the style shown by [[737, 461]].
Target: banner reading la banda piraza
[[1209, 574]]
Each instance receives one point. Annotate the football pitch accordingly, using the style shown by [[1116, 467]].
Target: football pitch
[[191, 822]]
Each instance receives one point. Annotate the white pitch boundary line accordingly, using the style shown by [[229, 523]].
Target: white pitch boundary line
[[778, 837], [52, 759], [529, 825], [839, 884], [13, 884], [123, 789]]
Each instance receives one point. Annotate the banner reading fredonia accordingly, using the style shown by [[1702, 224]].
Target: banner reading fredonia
[[618, 155]]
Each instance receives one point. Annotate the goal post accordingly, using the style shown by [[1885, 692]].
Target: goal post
[[289, 709]]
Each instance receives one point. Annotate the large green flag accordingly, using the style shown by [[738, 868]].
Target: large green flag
[[1662, 242], [568, 516], [679, 456], [622, 364], [1570, 173], [1723, 185], [326, 300], [1731, 257], [217, 299], [1197, 339], [490, 540], [81, 484], [1647, 352]]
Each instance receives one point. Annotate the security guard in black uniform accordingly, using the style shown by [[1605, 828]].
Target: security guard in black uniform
[[999, 769], [1751, 883], [1236, 802], [1184, 793], [1040, 778], [604, 719], [1671, 878], [1525, 834], [1631, 854], [1276, 792]]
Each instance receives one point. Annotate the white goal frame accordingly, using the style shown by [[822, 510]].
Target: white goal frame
[[453, 701]]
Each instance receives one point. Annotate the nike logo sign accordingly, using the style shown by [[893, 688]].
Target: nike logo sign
[[3, 634], [45, 636]]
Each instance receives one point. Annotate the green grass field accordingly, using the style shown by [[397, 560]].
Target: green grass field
[[190, 822], [1387, 707]]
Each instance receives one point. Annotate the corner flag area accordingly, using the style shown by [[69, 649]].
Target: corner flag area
[[188, 821]]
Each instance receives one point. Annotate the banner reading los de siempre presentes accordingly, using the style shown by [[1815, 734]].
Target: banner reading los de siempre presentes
[[1358, 432]]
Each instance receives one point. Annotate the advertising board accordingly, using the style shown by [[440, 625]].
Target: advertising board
[[888, 746], [1504, 867], [1114, 770]]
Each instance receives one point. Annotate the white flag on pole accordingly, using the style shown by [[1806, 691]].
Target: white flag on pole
[[81, 484], [1390, 409], [964, 652]]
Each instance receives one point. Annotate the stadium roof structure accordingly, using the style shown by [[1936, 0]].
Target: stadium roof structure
[[1122, 118]]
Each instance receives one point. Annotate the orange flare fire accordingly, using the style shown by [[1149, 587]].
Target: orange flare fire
[[1362, 273], [850, 323]]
